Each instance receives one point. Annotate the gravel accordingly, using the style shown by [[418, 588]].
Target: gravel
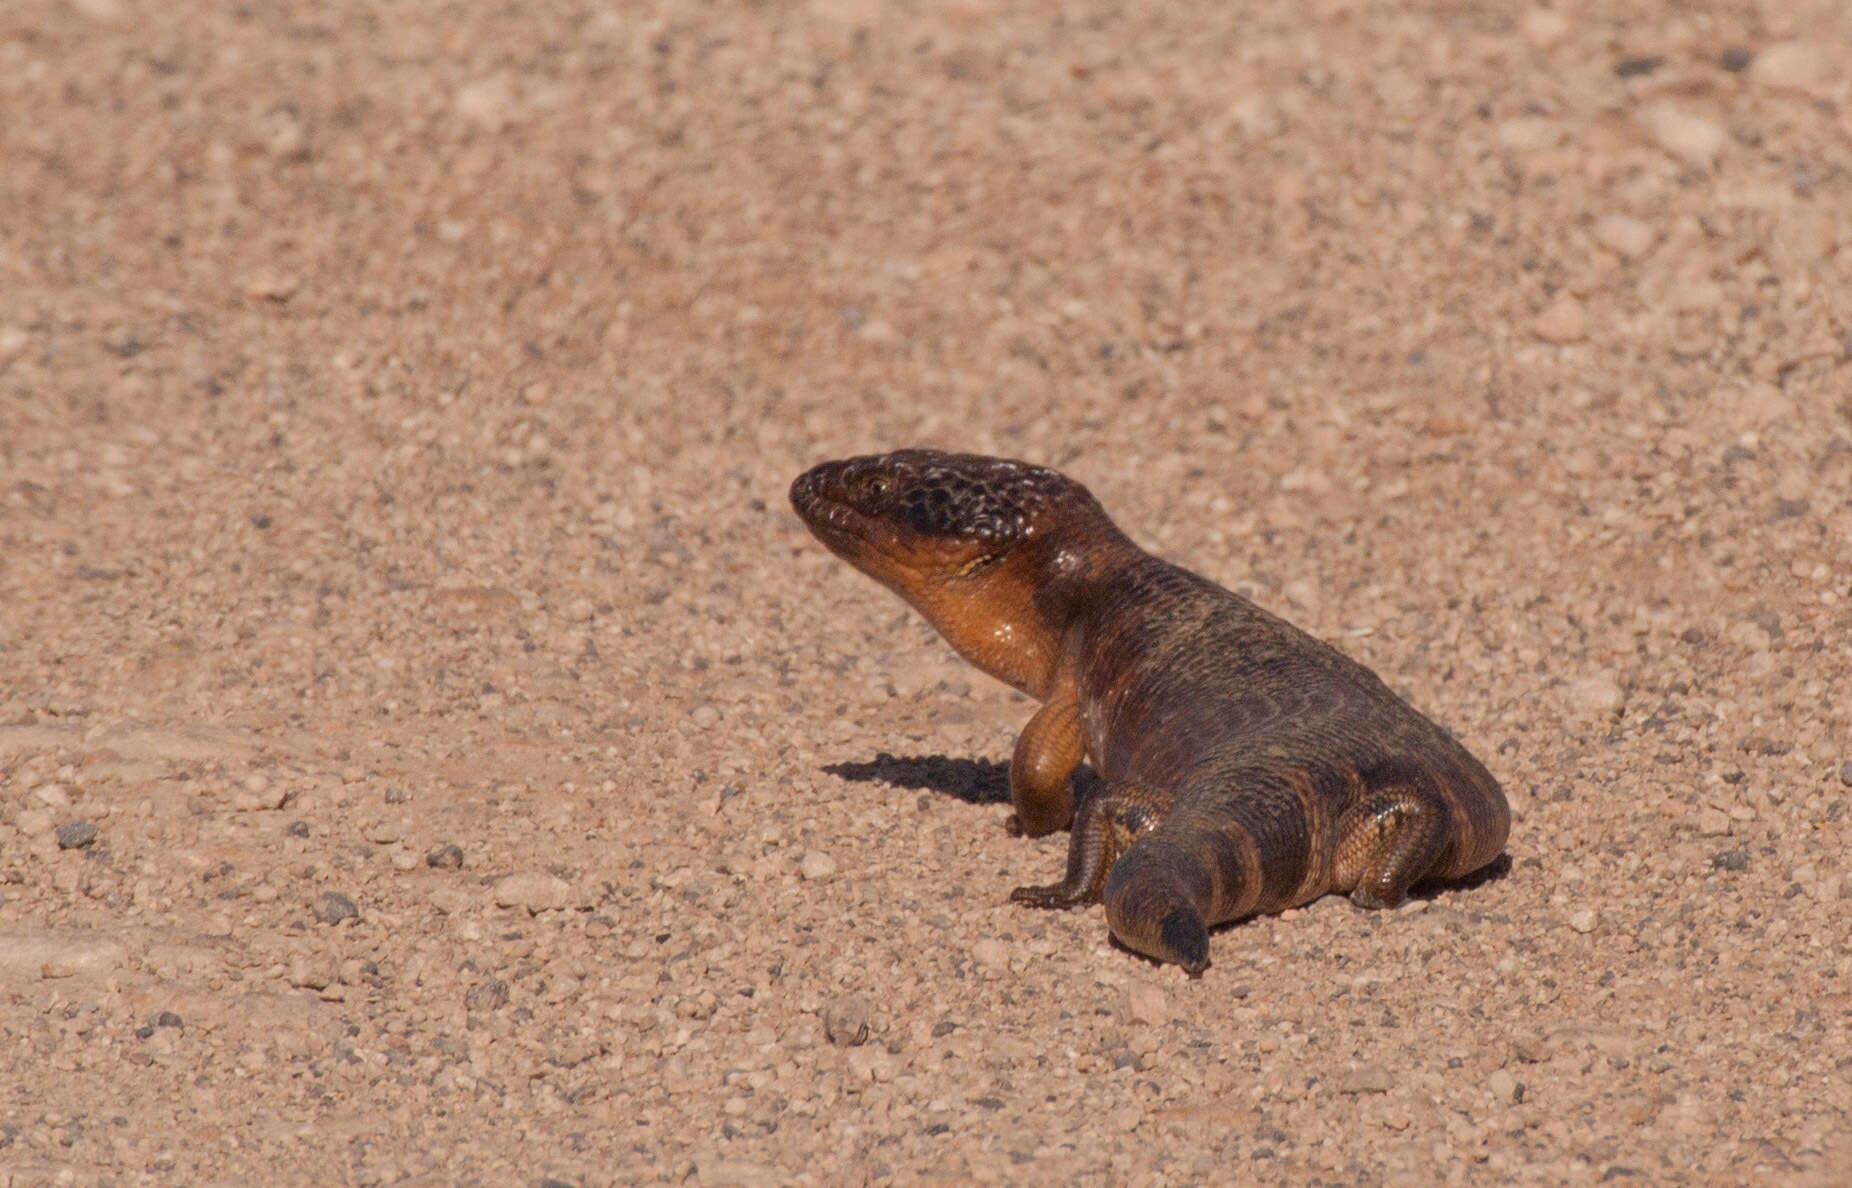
[[396, 409]]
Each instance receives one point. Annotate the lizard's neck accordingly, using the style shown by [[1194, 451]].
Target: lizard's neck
[[1016, 625]]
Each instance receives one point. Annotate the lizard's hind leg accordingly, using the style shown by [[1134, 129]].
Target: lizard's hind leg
[[1105, 825], [1387, 841]]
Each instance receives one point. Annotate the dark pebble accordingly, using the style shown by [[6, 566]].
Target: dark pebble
[[75, 835], [1634, 67], [486, 996], [333, 907], [1730, 860], [298, 829], [445, 857], [397, 796], [170, 1019], [1736, 59], [1845, 773], [550, 1182]]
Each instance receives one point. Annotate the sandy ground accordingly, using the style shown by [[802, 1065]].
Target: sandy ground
[[431, 750]]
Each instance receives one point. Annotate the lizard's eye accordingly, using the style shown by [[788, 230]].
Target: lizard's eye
[[879, 485]]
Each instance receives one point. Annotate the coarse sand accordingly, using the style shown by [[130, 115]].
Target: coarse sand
[[432, 752]]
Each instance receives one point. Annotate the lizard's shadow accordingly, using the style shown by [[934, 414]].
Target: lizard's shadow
[[974, 781]]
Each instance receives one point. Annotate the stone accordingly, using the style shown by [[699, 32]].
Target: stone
[[52, 796], [991, 954], [333, 908], [1801, 66], [448, 856], [1624, 235], [1543, 27], [75, 835], [1562, 321], [487, 995], [488, 103], [1530, 134], [816, 865], [1685, 135], [1504, 1086], [1368, 1078], [1145, 1004], [258, 794], [534, 891], [1598, 694], [1583, 921], [845, 1021]]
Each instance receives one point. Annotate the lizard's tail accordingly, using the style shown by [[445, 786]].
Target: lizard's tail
[[1171, 884]]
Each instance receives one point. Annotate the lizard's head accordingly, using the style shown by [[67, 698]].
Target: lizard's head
[[970, 541], [922, 516]]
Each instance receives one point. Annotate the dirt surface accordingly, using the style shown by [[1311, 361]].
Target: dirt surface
[[432, 751]]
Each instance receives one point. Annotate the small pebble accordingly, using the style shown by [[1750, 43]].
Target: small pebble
[[1146, 1004], [1624, 235], [704, 716], [386, 833], [815, 864], [1691, 138], [488, 103], [534, 891], [258, 794], [1845, 773], [1599, 694], [334, 907], [52, 796], [1583, 921], [991, 954], [486, 996], [1530, 134], [1504, 1086], [75, 835], [1562, 321], [1801, 66], [1543, 27], [448, 856], [845, 1021], [1371, 1078]]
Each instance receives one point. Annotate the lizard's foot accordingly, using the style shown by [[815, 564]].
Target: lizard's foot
[[1055, 895], [1012, 825]]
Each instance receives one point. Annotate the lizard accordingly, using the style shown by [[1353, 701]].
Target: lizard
[[1245, 766]]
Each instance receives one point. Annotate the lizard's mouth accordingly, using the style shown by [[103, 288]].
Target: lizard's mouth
[[830, 518]]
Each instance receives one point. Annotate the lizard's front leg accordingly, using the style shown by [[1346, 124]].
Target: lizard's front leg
[[1048, 750]]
